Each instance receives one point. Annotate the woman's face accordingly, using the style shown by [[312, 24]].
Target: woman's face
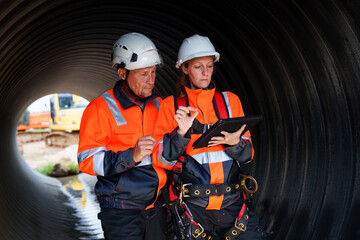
[[199, 71]]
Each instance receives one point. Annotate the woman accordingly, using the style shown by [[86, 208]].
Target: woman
[[211, 203]]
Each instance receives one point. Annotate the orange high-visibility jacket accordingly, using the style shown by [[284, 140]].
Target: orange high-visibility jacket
[[209, 165], [110, 127]]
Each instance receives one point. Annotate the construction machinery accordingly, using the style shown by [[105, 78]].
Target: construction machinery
[[33, 127], [66, 110], [59, 126]]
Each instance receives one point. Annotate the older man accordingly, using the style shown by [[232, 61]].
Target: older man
[[116, 143]]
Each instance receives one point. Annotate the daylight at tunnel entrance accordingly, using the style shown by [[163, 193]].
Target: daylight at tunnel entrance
[[294, 62]]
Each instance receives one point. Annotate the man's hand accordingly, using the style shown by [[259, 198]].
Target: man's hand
[[227, 138], [143, 147], [184, 120]]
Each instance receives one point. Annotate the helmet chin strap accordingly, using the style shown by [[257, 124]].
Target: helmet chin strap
[[126, 75]]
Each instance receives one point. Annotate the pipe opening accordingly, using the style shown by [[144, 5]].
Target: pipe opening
[[48, 133], [295, 62]]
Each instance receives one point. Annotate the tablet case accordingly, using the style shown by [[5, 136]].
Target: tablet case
[[229, 125]]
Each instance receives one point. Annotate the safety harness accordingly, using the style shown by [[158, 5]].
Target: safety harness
[[187, 225]]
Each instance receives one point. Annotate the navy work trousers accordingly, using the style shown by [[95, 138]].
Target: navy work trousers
[[132, 224]]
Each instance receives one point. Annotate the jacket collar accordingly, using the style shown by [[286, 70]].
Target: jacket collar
[[211, 89], [127, 98]]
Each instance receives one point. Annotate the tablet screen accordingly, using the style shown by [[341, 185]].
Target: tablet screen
[[229, 125]]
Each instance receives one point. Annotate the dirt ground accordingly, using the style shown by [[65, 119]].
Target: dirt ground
[[37, 154]]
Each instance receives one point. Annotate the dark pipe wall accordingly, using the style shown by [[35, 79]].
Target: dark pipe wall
[[294, 62]]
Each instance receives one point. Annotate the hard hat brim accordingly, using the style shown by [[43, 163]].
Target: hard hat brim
[[198, 54]]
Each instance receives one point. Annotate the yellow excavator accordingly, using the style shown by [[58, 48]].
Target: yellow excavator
[[59, 126], [66, 110]]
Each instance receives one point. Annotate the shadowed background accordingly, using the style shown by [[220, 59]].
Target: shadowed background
[[294, 62]]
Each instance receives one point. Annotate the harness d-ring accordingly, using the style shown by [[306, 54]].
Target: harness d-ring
[[244, 185]]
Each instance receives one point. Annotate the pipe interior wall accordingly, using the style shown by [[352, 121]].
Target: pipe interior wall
[[294, 62]]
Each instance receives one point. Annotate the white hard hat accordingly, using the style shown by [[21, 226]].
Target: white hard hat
[[135, 51], [196, 46]]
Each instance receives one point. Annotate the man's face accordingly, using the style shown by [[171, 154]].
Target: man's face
[[141, 81]]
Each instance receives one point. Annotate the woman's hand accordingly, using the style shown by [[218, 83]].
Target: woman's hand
[[184, 120], [227, 138]]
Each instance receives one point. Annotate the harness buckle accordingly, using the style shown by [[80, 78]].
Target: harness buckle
[[241, 226], [196, 233], [209, 125], [185, 191]]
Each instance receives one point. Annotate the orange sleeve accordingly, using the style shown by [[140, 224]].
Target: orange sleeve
[[92, 136], [165, 123]]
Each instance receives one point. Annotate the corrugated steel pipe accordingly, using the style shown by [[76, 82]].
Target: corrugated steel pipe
[[294, 62]]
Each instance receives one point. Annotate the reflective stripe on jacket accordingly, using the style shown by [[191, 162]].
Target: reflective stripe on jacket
[[209, 165], [108, 133]]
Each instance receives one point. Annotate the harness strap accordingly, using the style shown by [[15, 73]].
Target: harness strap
[[176, 170], [192, 190], [183, 101], [199, 128], [241, 222], [220, 106], [218, 102], [189, 228], [205, 190], [188, 225]]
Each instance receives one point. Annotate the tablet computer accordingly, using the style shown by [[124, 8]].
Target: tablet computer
[[229, 125]]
